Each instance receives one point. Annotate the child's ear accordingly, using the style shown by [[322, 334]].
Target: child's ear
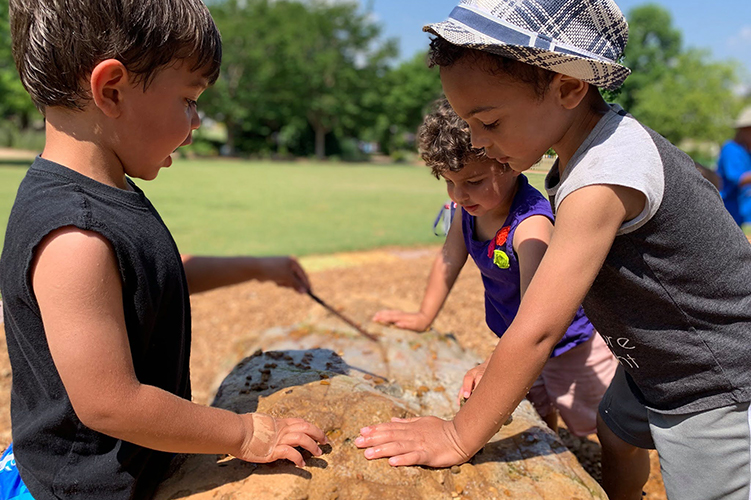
[[109, 80], [571, 91]]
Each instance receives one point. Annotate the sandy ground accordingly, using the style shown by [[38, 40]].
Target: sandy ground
[[226, 321]]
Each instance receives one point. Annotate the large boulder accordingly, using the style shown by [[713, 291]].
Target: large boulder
[[341, 382]]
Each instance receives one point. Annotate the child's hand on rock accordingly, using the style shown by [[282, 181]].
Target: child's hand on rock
[[471, 379], [417, 322], [268, 439], [427, 441]]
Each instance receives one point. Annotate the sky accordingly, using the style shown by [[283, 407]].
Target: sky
[[721, 26]]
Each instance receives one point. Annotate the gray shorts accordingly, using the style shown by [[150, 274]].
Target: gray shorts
[[703, 455]]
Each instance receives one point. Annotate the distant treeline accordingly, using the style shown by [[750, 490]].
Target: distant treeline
[[303, 78]]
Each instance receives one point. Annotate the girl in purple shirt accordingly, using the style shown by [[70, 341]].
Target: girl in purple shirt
[[505, 226]]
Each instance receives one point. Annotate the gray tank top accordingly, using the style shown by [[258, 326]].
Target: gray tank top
[[673, 298]]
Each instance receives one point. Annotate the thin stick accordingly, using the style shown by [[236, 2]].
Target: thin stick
[[343, 317]]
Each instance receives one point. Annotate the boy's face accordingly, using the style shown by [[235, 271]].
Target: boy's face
[[156, 122], [505, 116], [480, 186]]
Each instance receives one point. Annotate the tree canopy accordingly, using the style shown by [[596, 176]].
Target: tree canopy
[[14, 101], [682, 94], [292, 67], [304, 77]]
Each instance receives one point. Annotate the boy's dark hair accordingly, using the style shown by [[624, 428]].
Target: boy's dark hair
[[445, 54], [57, 43], [445, 142]]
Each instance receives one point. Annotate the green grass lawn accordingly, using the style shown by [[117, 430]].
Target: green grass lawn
[[227, 207]]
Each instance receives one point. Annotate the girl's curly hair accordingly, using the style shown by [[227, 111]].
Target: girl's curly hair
[[444, 140]]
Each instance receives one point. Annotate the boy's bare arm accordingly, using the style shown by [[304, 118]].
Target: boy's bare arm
[[446, 267], [77, 285], [585, 228], [208, 273]]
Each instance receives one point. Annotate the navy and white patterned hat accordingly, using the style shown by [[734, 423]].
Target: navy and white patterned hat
[[579, 38]]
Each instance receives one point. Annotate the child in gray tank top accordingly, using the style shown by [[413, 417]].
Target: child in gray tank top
[[641, 239]]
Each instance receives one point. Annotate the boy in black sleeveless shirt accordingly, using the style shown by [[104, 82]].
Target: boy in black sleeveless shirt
[[97, 313]]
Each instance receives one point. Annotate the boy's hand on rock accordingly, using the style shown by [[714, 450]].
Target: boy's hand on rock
[[417, 322], [268, 439], [286, 271], [471, 379], [427, 441]]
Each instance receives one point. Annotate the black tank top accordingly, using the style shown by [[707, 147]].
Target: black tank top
[[59, 457]]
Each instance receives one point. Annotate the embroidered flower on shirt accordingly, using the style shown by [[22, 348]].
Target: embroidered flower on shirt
[[502, 235], [500, 239], [500, 259]]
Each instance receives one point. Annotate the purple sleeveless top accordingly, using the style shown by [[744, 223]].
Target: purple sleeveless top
[[500, 268]]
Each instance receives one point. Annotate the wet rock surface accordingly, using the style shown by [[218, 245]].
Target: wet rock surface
[[341, 382]]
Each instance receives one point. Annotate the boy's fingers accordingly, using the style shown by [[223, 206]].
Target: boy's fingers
[[390, 449], [301, 278], [411, 458], [303, 441], [390, 432], [404, 420], [289, 453], [298, 426]]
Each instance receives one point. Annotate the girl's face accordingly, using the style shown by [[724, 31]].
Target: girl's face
[[481, 186], [505, 116]]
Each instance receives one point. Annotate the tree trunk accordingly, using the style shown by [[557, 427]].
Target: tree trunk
[[230, 144], [320, 131], [320, 142]]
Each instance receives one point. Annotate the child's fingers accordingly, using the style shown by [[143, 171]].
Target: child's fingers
[[301, 277], [298, 426], [289, 453], [387, 316], [468, 384], [302, 440], [411, 458]]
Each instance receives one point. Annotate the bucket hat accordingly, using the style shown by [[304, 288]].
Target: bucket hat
[[744, 119], [579, 38]]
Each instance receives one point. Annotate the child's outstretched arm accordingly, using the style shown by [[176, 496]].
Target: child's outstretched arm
[[446, 267], [531, 240], [587, 223], [207, 273], [77, 285]]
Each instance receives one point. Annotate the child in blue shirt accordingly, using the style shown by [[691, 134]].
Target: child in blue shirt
[[504, 224], [734, 170]]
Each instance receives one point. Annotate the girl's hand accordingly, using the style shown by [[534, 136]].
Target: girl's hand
[[417, 322], [285, 271], [268, 439], [427, 441], [471, 379]]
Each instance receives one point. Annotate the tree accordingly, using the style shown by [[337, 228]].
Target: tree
[[409, 92], [652, 49], [694, 100], [681, 94], [289, 65], [14, 101]]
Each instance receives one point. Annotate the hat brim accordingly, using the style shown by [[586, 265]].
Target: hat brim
[[602, 74]]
